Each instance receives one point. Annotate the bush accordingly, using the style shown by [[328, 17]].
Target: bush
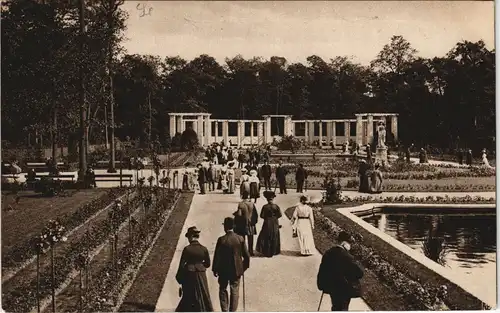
[[333, 190], [289, 143], [189, 140]]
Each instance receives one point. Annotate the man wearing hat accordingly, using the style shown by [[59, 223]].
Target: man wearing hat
[[231, 259], [339, 274], [245, 219], [281, 177], [265, 172], [202, 178], [300, 177]]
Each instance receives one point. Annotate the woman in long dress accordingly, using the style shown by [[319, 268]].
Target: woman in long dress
[[268, 242], [303, 224], [254, 186], [245, 184], [223, 181], [192, 276], [230, 177], [376, 180], [485, 160]]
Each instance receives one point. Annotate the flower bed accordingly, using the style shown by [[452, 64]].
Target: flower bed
[[25, 251], [23, 297], [417, 284], [413, 199], [105, 290]]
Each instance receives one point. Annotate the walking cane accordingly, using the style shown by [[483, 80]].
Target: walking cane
[[320, 300], [244, 302]]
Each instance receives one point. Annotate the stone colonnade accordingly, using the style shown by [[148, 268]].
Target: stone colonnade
[[260, 130]]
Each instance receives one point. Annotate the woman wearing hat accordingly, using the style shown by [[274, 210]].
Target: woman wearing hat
[[245, 184], [191, 275], [268, 242], [254, 186], [303, 224], [485, 159], [230, 177], [223, 180]]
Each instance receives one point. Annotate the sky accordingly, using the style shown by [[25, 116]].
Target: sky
[[298, 29]]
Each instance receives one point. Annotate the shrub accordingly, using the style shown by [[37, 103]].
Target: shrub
[[189, 140], [289, 143], [333, 190]]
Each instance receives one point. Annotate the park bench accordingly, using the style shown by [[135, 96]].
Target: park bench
[[58, 176], [42, 167], [104, 164], [114, 178]]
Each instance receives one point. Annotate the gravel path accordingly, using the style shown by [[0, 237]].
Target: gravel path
[[286, 282]]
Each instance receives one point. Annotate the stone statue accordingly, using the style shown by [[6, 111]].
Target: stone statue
[[381, 134]]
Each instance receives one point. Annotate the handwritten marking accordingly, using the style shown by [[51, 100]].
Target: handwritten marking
[[144, 9]]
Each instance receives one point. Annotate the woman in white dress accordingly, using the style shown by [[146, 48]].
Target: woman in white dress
[[303, 224], [230, 177], [485, 160], [254, 185]]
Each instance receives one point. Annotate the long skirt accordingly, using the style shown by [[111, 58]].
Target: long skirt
[[268, 242], [254, 191], [195, 294], [375, 185], [230, 184], [364, 183], [305, 236]]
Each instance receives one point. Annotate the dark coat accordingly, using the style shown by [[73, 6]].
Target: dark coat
[[245, 219], [211, 173], [338, 270], [281, 173], [301, 174], [231, 257], [265, 171], [202, 175], [192, 276]]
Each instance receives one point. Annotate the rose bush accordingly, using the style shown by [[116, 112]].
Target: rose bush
[[24, 251], [23, 297], [103, 292]]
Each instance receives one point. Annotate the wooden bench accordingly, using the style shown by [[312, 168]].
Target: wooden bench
[[42, 167], [59, 176], [113, 178]]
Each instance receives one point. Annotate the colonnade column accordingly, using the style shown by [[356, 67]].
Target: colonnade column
[[199, 129], [260, 132], [369, 130], [334, 134], [180, 124], [251, 133], [328, 132], [306, 131], [238, 128], [216, 125], [172, 126], [268, 130], [292, 128], [311, 131], [394, 127], [347, 130], [359, 129], [208, 130], [225, 132], [320, 133]]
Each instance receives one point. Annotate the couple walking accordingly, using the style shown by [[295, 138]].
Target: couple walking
[[231, 260]]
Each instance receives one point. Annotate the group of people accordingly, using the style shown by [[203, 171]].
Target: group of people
[[338, 275], [370, 177]]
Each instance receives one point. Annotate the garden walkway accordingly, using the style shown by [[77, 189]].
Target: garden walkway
[[285, 282]]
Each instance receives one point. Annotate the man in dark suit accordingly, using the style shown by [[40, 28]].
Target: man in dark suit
[[300, 177], [211, 175], [202, 178], [281, 177], [339, 274], [265, 172], [231, 259], [245, 219]]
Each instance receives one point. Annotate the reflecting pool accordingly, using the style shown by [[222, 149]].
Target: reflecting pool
[[462, 241]]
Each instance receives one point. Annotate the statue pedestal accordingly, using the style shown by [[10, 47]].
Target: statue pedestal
[[381, 156]]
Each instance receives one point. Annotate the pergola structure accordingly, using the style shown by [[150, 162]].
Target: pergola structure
[[209, 130]]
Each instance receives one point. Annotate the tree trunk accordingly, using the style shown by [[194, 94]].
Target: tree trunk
[[54, 134], [83, 140], [111, 168]]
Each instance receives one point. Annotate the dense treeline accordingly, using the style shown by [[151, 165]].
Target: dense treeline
[[444, 101]]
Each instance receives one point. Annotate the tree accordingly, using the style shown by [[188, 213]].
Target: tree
[[189, 139]]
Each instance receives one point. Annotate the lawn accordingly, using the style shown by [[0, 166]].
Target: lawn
[[23, 220]]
